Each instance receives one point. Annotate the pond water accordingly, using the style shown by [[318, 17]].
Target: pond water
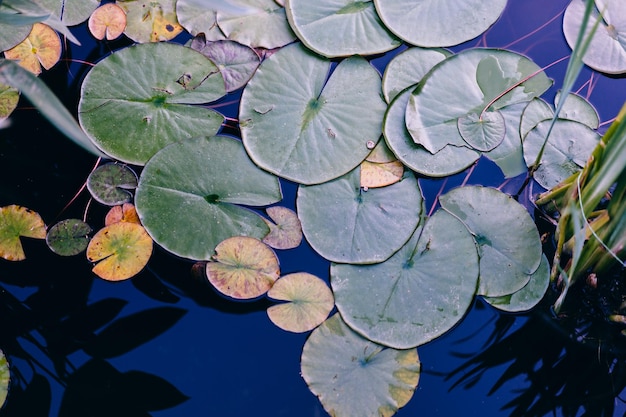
[[186, 351]]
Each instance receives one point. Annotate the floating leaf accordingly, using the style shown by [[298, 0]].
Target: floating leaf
[[577, 108], [482, 132], [508, 155], [9, 97], [353, 376], [5, 378], [375, 175], [15, 222], [304, 127], [419, 293], [150, 21], [70, 12], [286, 231], [438, 22], [345, 223], [109, 184], [335, 28], [107, 21], [42, 48], [68, 237], [124, 213], [121, 251], [188, 194], [508, 242], [381, 153], [198, 19], [243, 267], [309, 302], [131, 121]]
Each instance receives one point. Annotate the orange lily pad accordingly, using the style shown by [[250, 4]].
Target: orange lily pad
[[286, 231], [15, 222], [121, 251], [310, 302], [375, 175], [124, 213], [41, 48], [107, 21], [243, 267]]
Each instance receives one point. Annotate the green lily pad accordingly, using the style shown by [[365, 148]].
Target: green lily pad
[[198, 19], [286, 231], [419, 293], [569, 146], [16, 222], [345, 223], [68, 237], [432, 23], [472, 81], [70, 12], [508, 155], [334, 28], [109, 184], [482, 132], [150, 20], [353, 376], [243, 268], [189, 192], [304, 127], [5, 378], [577, 108], [537, 110], [508, 241], [607, 50], [9, 97], [309, 302], [131, 121]]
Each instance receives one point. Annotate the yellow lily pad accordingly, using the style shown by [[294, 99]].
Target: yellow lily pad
[[9, 97], [41, 48], [310, 302], [243, 267], [124, 213], [375, 175], [150, 21], [107, 21], [15, 222], [121, 251], [286, 231]]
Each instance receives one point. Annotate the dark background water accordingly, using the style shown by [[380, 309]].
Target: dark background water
[[79, 345]]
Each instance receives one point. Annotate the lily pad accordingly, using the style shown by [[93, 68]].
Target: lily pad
[[285, 230], [107, 21], [150, 21], [508, 155], [198, 19], [110, 183], [120, 250], [334, 28], [482, 132], [432, 23], [345, 223], [70, 12], [577, 108], [9, 97], [353, 376], [16, 222], [68, 237], [243, 267], [607, 50], [131, 121], [124, 213], [508, 241], [304, 127], [5, 378], [381, 153], [42, 48], [309, 302], [189, 192], [419, 293], [375, 174]]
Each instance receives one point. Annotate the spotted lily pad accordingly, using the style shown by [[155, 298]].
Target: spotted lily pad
[[285, 230], [16, 222], [42, 48], [150, 21], [68, 237], [110, 184]]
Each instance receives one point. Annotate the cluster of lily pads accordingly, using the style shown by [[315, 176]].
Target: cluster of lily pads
[[314, 111]]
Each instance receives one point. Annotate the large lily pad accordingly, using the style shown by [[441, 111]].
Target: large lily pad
[[419, 293], [141, 98], [304, 127], [508, 241], [438, 22], [188, 194], [345, 223], [353, 376], [196, 18], [340, 27]]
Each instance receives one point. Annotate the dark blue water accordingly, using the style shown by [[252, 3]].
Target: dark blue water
[[165, 344]]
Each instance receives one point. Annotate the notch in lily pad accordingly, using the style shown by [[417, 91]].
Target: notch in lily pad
[[110, 184], [41, 48], [107, 21], [68, 237], [285, 228], [16, 222]]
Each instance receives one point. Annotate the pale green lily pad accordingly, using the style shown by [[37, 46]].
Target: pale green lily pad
[[9, 97], [529, 296], [70, 12], [482, 132], [465, 83], [607, 50], [537, 110], [197, 18], [285, 228], [110, 184], [352, 376], [568, 148], [141, 98], [17, 222], [408, 67], [345, 223], [304, 127], [577, 108], [508, 241], [419, 293], [150, 20], [449, 160], [5, 378], [262, 24], [432, 23], [68, 237], [309, 301], [334, 28], [381, 154], [189, 194], [509, 155]]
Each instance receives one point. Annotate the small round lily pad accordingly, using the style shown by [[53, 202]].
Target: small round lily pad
[[110, 184], [68, 237]]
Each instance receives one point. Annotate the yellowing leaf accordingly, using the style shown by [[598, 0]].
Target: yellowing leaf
[[122, 250], [9, 97], [165, 27], [150, 21], [243, 267], [380, 175], [286, 233], [42, 48], [381, 153], [15, 222], [108, 20], [123, 213], [310, 302]]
